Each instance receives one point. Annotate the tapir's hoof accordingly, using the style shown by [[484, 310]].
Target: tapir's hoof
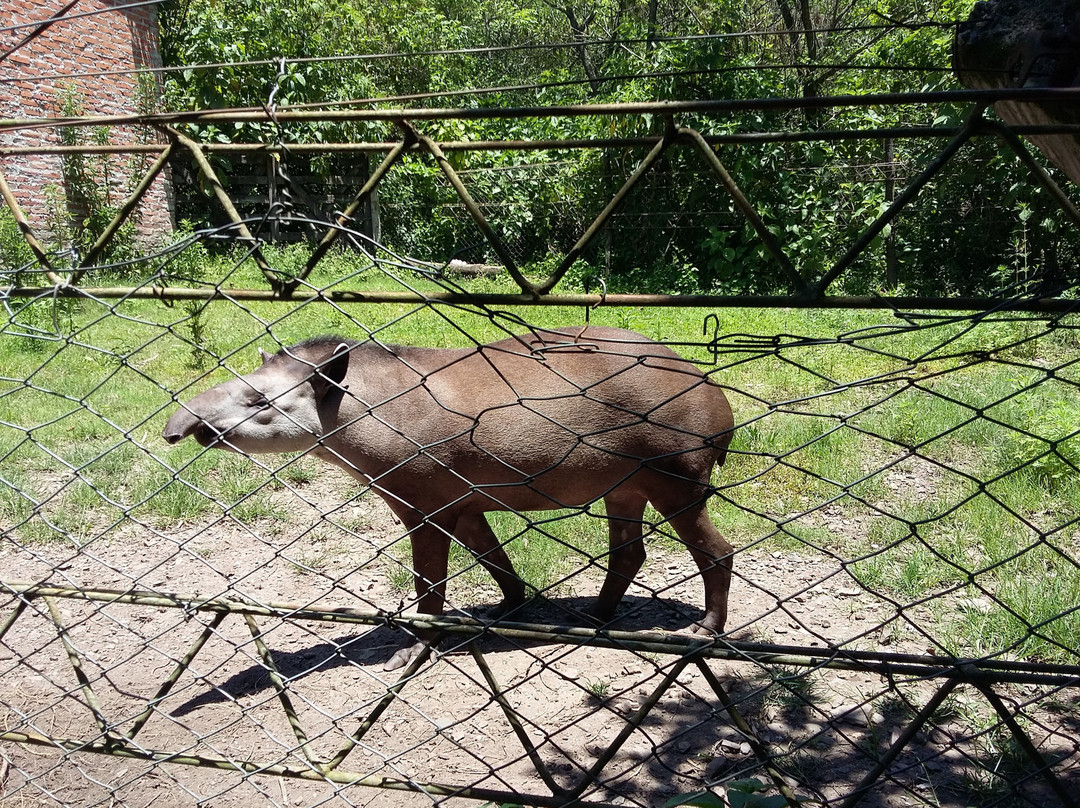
[[708, 628], [501, 609], [405, 656], [600, 614], [594, 620]]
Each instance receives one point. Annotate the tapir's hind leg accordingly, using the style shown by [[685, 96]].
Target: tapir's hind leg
[[710, 551], [475, 533], [625, 510]]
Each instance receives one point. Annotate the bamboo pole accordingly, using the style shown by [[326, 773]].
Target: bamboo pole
[[884, 663]]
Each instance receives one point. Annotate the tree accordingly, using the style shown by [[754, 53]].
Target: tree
[[815, 196]]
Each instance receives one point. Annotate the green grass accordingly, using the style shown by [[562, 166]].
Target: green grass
[[961, 465], [545, 548], [548, 546]]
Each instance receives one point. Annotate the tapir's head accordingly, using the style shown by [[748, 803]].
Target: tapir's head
[[286, 405]]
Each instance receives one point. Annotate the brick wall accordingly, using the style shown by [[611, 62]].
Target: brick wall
[[60, 70]]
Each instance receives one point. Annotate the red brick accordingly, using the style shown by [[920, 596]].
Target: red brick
[[115, 40]]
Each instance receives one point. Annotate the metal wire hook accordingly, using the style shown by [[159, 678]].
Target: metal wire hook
[[603, 293], [713, 346], [270, 105]]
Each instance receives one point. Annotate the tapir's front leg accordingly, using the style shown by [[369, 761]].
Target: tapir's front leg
[[430, 558]]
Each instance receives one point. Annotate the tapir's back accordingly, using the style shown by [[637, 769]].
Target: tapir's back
[[558, 417]]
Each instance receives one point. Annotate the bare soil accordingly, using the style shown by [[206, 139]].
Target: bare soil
[[824, 728]]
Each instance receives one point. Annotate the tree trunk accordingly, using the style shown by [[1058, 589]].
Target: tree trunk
[[579, 31]]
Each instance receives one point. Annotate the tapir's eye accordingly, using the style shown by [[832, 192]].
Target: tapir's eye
[[262, 402]]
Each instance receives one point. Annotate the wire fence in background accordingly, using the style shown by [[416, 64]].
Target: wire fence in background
[[199, 626]]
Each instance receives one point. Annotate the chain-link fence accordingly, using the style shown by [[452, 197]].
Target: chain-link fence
[[183, 624]]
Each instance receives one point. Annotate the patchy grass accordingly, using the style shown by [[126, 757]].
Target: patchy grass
[[956, 449]]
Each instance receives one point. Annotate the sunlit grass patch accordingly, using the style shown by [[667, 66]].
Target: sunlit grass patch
[[932, 458]]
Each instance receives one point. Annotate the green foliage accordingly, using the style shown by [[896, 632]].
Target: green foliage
[[697, 799], [598, 689], [744, 793], [190, 265], [92, 194], [15, 253], [678, 231]]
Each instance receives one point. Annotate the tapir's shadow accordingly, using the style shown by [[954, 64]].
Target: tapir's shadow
[[375, 647]]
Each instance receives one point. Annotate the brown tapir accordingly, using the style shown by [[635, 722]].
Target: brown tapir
[[551, 419]]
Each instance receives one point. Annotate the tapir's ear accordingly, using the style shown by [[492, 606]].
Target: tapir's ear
[[331, 373], [264, 356]]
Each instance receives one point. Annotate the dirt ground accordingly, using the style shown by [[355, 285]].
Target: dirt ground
[[824, 728]]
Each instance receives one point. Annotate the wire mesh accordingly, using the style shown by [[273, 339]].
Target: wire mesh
[[197, 626]]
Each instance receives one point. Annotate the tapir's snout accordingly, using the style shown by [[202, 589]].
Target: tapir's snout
[[181, 424], [184, 423]]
